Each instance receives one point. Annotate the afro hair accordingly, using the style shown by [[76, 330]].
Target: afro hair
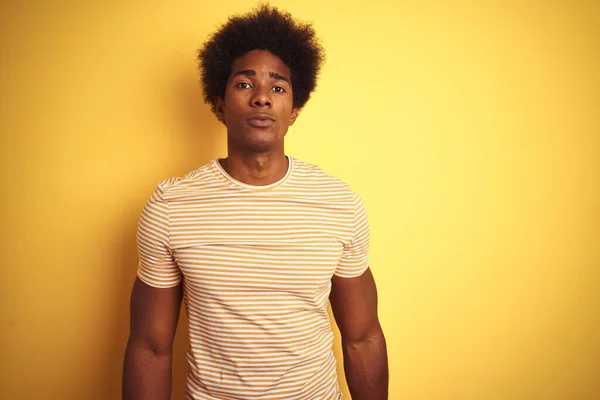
[[264, 28]]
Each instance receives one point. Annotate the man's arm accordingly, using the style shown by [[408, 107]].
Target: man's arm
[[148, 358], [354, 305]]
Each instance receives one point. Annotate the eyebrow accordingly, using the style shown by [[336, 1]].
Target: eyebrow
[[251, 72]]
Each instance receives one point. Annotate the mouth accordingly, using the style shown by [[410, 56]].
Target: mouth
[[261, 120]]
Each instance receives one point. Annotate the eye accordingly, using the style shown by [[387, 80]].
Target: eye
[[278, 89], [244, 85]]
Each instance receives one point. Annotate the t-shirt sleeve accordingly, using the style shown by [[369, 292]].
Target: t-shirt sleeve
[[355, 256], [157, 266]]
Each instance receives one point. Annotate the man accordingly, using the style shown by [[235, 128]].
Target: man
[[256, 244]]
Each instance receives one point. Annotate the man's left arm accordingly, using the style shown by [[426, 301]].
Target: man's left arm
[[354, 305]]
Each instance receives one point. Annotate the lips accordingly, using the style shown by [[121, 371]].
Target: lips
[[261, 120]]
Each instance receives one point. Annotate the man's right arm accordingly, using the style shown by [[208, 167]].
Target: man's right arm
[[148, 358]]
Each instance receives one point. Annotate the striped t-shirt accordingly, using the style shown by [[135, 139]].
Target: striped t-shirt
[[256, 264]]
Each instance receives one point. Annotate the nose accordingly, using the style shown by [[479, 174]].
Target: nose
[[261, 97]]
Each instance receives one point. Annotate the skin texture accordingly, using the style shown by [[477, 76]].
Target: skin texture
[[148, 357], [259, 84], [257, 110], [354, 305]]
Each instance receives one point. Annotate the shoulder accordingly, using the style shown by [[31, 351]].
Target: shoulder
[[175, 186], [312, 174]]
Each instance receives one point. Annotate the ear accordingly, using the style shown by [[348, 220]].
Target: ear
[[295, 112], [220, 109]]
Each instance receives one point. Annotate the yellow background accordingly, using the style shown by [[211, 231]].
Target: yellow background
[[470, 129]]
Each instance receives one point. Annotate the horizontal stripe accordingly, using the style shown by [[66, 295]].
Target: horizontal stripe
[[256, 264]]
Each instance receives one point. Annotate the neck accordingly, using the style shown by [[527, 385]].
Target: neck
[[257, 169]]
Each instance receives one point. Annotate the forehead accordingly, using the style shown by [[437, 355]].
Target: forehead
[[261, 61]]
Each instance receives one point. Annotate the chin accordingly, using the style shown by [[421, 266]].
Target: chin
[[256, 140], [261, 146], [261, 140]]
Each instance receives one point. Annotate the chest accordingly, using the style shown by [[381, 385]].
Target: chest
[[258, 245]]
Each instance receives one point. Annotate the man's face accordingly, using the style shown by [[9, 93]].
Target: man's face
[[258, 104]]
